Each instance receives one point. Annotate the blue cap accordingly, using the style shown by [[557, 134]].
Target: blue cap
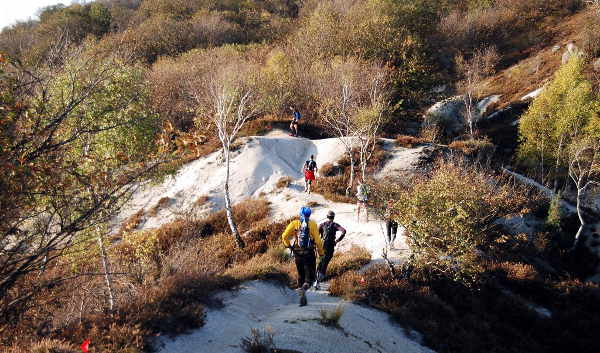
[[305, 212]]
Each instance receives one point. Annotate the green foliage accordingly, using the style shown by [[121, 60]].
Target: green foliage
[[449, 216], [554, 213], [117, 111], [562, 114]]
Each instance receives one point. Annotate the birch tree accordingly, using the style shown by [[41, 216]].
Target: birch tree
[[473, 71], [225, 100], [556, 119], [352, 95], [371, 118], [584, 171], [74, 143]]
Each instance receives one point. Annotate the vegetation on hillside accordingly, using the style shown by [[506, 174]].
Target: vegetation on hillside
[[96, 97]]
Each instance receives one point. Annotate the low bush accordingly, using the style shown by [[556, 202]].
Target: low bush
[[478, 149], [449, 218], [259, 342], [284, 182], [329, 170], [333, 188], [349, 286], [409, 141], [331, 317], [353, 259]]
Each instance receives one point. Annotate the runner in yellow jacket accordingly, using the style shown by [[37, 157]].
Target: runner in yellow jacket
[[307, 240]]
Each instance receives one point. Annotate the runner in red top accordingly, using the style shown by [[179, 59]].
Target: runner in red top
[[309, 169]]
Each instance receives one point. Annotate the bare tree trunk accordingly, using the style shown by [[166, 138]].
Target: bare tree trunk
[[363, 168], [106, 266], [469, 108], [580, 215], [228, 209], [351, 182]]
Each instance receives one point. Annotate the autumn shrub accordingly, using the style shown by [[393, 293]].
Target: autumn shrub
[[333, 188], [478, 149], [409, 141], [329, 170], [449, 218], [350, 260], [45, 346], [283, 182]]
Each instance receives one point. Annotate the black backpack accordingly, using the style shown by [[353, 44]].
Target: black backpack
[[304, 239], [329, 230], [311, 165]]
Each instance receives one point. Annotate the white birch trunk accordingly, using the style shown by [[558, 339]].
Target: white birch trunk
[[106, 266], [228, 208]]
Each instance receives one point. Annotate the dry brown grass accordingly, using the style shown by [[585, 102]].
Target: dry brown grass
[[353, 259], [284, 182], [333, 188], [162, 203], [517, 271], [45, 345], [201, 201], [409, 141], [132, 222], [480, 148], [349, 286], [329, 170]]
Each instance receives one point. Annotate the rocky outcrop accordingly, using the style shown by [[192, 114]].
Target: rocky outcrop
[[449, 114]]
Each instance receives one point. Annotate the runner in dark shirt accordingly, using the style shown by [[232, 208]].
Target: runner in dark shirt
[[328, 230]]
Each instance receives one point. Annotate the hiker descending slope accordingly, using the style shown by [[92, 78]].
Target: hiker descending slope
[[309, 169], [362, 199], [306, 241], [391, 226], [295, 121], [328, 231]]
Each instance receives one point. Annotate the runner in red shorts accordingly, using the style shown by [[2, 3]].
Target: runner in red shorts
[[309, 169]]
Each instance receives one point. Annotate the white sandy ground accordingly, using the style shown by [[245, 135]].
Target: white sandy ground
[[256, 168], [263, 305]]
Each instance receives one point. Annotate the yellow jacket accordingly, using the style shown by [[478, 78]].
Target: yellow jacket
[[291, 231]]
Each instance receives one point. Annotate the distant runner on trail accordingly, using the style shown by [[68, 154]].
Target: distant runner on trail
[[328, 230], [309, 169], [391, 226], [296, 116], [306, 241], [362, 197]]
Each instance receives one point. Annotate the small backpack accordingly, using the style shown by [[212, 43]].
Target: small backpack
[[304, 239], [329, 231], [311, 165], [297, 115]]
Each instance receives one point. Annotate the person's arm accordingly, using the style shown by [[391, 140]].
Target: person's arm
[[314, 233], [341, 229], [321, 228], [288, 233]]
